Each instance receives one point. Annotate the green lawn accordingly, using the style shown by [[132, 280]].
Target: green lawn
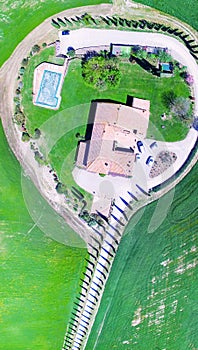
[[135, 81], [185, 10], [143, 277], [60, 127]]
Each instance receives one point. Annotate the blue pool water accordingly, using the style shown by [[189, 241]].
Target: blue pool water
[[48, 89], [166, 67]]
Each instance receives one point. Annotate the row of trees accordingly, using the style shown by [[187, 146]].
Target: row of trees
[[116, 21], [19, 116]]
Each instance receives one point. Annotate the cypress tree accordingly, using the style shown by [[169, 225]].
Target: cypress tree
[[122, 22], [171, 30], [61, 22], [128, 23], [150, 25], [191, 41], [112, 20], [157, 26], [184, 37], [68, 21], [134, 24], [178, 33], [55, 24], [164, 28], [116, 20], [142, 23], [74, 20]]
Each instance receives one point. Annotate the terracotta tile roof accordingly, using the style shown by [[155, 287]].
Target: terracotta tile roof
[[115, 132]]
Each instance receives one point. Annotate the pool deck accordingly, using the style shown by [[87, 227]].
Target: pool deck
[[38, 76]]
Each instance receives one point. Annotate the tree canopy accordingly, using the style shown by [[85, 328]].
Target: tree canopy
[[181, 107], [101, 72]]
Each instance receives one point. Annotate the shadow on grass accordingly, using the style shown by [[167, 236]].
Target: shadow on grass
[[146, 65]]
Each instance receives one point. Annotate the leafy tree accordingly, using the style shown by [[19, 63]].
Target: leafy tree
[[164, 56], [115, 20], [61, 188], [24, 61], [122, 22], [150, 25], [157, 26], [168, 98], [101, 72], [17, 100], [78, 136], [19, 118], [134, 23], [39, 158], [181, 107], [36, 48], [71, 52], [25, 137], [37, 133], [21, 70], [142, 54], [142, 23]]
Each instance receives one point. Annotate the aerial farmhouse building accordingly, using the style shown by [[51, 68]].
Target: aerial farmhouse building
[[114, 130]]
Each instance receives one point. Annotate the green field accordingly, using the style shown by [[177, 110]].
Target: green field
[[39, 276], [21, 17], [155, 272], [185, 10]]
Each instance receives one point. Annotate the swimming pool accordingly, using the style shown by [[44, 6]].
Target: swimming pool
[[47, 95], [166, 67]]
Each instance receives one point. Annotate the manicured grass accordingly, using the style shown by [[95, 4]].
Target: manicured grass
[[17, 19], [187, 10], [61, 126], [135, 81], [142, 84], [143, 277]]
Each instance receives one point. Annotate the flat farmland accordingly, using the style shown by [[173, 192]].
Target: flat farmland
[[185, 10], [150, 301], [18, 18], [39, 276]]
